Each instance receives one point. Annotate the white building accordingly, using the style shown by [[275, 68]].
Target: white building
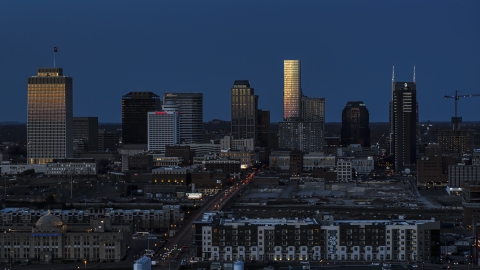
[[344, 170], [164, 127]]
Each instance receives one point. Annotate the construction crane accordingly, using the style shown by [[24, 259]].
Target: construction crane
[[456, 121]]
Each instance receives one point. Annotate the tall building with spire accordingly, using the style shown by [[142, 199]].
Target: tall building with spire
[[49, 116], [292, 89], [244, 104], [403, 123], [355, 124]]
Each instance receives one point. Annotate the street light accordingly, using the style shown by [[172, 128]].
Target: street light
[[85, 264]]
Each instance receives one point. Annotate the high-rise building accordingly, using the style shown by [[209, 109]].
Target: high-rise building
[[85, 129], [355, 124], [298, 135], [191, 115], [292, 89], [453, 141], [403, 124], [164, 127], [304, 117], [244, 110], [313, 109], [49, 117], [135, 107], [263, 128]]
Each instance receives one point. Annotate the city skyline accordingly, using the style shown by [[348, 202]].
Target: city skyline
[[347, 50]]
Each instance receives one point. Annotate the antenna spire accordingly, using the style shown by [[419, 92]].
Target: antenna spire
[[393, 73], [414, 74]]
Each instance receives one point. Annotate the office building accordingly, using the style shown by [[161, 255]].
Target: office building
[[403, 124], [355, 124], [292, 89], [85, 129], [164, 127], [244, 104], [263, 129], [191, 115], [107, 141], [49, 116], [135, 107]]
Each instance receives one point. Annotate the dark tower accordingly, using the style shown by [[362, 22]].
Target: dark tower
[[263, 128], [403, 123], [135, 106], [355, 124]]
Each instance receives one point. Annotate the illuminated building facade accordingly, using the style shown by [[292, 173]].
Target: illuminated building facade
[[49, 116], [244, 110], [292, 89]]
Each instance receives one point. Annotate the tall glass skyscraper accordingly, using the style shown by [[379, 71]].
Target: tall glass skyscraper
[[244, 110], [292, 89], [191, 115], [49, 116]]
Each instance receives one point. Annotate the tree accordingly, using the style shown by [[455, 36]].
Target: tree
[[50, 199], [28, 172]]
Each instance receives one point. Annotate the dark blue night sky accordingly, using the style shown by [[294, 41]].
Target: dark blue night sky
[[347, 49]]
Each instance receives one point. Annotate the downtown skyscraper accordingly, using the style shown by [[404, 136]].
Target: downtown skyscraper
[[164, 127], [244, 105], [49, 116], [191, 115], [355, 124], [292, 89], [403, 124], [303, 126], [135, 107]]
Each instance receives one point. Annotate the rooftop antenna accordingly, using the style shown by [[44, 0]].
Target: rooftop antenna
[[414, 74], [393, 73], [55, 49]]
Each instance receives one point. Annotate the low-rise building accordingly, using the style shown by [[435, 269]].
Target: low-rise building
[[283, 239], [72, 166], [50, 239], [344, 170]]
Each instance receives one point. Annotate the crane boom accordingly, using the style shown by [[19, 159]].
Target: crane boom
[[457, 120]]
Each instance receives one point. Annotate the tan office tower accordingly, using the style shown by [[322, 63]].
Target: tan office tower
[[49, 117], [292, 89]]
